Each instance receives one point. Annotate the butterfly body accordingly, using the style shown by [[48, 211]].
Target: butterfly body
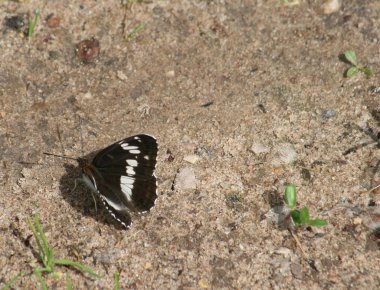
[[123, 176]]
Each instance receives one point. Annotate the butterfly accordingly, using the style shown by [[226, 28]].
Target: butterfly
[[123, 176]]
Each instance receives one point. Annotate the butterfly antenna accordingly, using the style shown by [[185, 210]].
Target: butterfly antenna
[[60, 139], [81, 136], [61, 156]]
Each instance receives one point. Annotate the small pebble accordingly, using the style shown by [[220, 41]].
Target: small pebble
[[305, 173], [358, 221], [296, 270], [259, 148], [82, 97], [53, 21], [16, 22], [169, 156], [121, 75], [203, 152], [327, 114], [87, 96], [286, 252], [203, 284], [53, 54], [185, 179], [285, 154], [88, 49], [148, 266], [331, 6], [191, 158], [170, 74]]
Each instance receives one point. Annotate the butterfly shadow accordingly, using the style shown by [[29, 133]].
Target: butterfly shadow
[[76, 193]]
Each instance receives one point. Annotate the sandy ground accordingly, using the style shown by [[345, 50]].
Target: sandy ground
[[279, 110]]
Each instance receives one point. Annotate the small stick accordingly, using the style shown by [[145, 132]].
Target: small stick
[[309, 261], [370, 190]]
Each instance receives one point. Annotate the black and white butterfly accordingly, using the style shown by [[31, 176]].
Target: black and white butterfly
[[123, 175]]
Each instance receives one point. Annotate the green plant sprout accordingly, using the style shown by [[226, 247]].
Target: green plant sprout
[[299, 216], [135, 31], [32, 23], [350, 56], [47, 255], [116, 280]]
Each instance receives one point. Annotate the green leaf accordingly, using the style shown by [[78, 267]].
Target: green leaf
[[290, 196], [78, 266], [304, 215], [296, 217], [350, 55], [367, 71], [352, 71], [318, 223]]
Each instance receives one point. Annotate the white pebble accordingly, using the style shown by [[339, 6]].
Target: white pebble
[[185, 179]]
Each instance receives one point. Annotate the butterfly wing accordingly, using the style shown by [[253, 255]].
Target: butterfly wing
[[124, 175]]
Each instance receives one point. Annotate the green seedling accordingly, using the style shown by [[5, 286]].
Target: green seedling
[[299, 216], [116, 280], [32, 23], [350, 56], [47, 255], [131, 35]]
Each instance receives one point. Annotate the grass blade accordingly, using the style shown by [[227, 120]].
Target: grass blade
[[36, 236], [10, 283], [116, 280], [32, 23], [76, 265], [40, 279], [69, 286], [134, 31], [48, 252]]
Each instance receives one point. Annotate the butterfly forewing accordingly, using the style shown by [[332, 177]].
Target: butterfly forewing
[[124, 175]]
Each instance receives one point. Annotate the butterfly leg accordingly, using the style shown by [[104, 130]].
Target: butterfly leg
[[92, 193], [75, 185]]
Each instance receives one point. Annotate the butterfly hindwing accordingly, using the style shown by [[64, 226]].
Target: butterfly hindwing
[[120, 213]]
